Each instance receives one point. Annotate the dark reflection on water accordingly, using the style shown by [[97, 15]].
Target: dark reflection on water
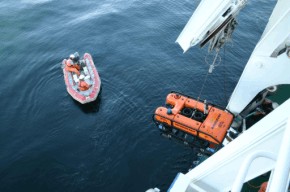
[[91, 107]]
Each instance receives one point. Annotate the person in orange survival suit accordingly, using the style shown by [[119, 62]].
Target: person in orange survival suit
[[72, 64], [263, 187], [83, 86]]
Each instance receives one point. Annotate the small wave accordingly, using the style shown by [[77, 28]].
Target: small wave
[[103, 10], [34, 2], [106, 8]]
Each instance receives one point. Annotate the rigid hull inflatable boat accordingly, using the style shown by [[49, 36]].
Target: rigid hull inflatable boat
[[91, 77]]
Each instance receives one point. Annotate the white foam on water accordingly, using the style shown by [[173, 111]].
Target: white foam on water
[[102, 10], [111, 6], [34, 2]]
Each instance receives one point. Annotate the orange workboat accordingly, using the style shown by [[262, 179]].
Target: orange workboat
[[194, 122]]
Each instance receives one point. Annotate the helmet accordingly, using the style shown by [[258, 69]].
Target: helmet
[[72, 56]]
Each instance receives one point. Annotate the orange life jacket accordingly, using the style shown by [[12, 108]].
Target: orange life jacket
[[70, 63], [263, 187], [70, 66], [83, 86]]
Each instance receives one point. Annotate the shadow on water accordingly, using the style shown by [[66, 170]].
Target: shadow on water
[[91, 107]]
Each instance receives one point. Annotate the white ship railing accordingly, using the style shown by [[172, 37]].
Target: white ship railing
[[238, 184], [264, 147], [279, 179]]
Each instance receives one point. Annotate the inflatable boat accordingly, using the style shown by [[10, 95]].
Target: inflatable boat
[[89, 74], [196, 123]]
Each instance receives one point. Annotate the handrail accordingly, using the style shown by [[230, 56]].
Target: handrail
[[238, 183], [280, 179], [280, 174]]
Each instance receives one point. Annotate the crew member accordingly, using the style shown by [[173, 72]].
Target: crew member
[[72, 64], [263, 187], [83, 85]]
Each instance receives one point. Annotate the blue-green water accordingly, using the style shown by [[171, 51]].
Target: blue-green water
[[49, 142]]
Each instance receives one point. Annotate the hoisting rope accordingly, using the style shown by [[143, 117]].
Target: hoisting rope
[[224, 74], [214, 63], [211, 67]]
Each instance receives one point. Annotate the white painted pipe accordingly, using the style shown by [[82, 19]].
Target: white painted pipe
[[237, 186], [280, 179]]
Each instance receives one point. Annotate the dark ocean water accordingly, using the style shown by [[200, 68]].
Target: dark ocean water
[[49, 142]]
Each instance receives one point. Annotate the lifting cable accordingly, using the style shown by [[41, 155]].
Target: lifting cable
[[210, 70], [224, 74]]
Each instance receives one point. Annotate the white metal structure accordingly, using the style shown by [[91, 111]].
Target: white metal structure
[[265, 146], [263, 69], [255, 150], [208, 16]]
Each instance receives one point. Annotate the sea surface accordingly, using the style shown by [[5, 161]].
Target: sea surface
[[51, 143]]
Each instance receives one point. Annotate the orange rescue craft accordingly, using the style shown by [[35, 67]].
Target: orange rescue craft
[[194, 122]]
